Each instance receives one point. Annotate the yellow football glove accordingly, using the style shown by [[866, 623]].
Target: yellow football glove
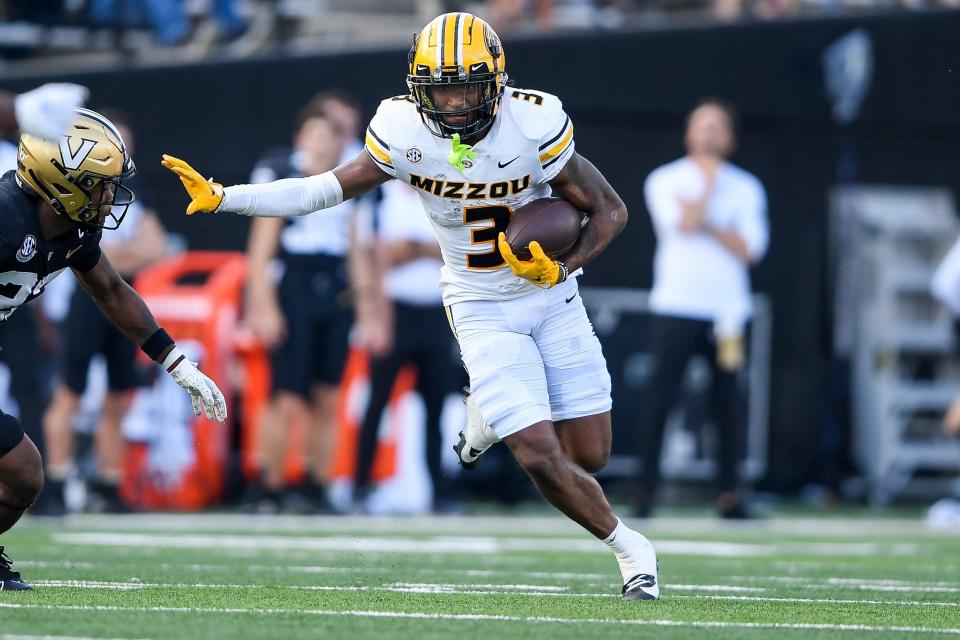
[[541, 270], [205, 195]]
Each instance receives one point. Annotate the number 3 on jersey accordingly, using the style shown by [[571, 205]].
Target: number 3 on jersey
[[499, 215]]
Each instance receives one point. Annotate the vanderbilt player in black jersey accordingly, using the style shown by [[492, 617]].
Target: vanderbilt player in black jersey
[[53, 209]]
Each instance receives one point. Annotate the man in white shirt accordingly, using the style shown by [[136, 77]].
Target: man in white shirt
[[711, 224], [945, 287]]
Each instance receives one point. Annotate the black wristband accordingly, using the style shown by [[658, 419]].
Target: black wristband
[[157, 344]]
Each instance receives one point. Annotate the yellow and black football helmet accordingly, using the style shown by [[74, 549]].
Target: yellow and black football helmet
[[457, 50], [67, 172]]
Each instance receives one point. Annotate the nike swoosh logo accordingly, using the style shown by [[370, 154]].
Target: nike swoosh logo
[[502, 165], [73, 251], [570, 299]]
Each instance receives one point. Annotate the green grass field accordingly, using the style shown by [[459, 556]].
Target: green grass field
[[230, 576]]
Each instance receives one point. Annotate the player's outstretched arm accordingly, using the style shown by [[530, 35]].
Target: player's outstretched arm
[[282, 198], [126, 309], [583, 186]]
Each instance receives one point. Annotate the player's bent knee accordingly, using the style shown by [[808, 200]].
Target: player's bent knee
[[27, 488], [541, 460], [21, 474], [592, 461], [539, 465]]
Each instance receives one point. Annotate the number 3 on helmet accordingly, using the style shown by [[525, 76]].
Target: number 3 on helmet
[[457, 52]]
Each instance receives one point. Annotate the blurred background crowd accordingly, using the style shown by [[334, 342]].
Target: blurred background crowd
[[817, 168], [157, 30]]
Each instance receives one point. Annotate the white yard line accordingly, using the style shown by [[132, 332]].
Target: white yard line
[[702, 624], [860, 584], [43, 564], [847, 581], [909, 603], [926, 564], [490, 589], [866, 585], [466, 545], [10, 636], [863, 584], [879, 587]]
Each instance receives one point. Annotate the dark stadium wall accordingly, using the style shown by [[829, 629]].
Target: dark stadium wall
[[627, 94]]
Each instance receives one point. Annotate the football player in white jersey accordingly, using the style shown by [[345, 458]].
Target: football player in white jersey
[[474, 149]]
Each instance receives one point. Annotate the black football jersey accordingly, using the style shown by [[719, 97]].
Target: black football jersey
[[28, 261]]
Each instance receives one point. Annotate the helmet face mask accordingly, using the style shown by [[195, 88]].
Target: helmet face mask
[[457, 75], [109, 200], [81, 175], [475, 102]]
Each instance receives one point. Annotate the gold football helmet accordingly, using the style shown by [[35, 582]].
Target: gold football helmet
[[457, 52], [81, 174]]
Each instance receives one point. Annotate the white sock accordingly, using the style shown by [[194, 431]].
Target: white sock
[[634, 552]]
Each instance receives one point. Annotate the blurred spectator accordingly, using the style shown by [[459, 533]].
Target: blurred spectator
[[136, 244], [505, 15], [775, 9], [402, 321], [728, 10], [711, 224], [300, 314], [226, 15], [945, 287], [343, 109], [166, 17]]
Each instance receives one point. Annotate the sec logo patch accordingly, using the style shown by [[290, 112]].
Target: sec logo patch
[[28, 249], [414, 155]]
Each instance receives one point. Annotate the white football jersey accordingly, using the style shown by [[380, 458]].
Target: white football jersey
[[529, 142]]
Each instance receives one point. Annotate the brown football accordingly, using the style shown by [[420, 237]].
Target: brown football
[[553, 222]]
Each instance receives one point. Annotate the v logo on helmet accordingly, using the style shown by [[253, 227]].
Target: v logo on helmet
[[73, 160]]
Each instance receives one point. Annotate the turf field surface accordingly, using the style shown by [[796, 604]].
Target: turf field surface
[[231, 576]]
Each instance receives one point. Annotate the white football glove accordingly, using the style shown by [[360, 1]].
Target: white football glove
[[204, 394], [47, 111]]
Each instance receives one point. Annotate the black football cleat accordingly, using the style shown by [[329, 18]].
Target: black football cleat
[[642, 586], [468, 457], [477, 437], [10, 580]]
